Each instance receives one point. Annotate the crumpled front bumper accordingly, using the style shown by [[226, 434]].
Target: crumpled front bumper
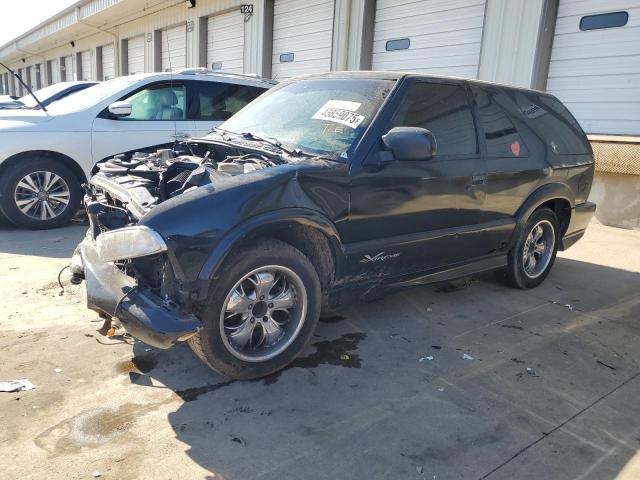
[[143, 315]]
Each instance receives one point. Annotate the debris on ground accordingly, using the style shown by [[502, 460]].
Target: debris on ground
[[148, 349], [566, 305], [440, 389], [532, 372], [96, 474], [466, 356], [610, 367], [419, 468], [345, 357], [239, 440], [58, 370], [422, 359], [436, 347], [18, 385]]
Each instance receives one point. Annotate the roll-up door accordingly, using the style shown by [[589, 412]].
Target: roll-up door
[[68, 69], [595, 64], [174, 48], [108, 62], [85, 65], [135, 55], [439, 37], [302, 37], [225, 42], [20, 89], [30, 78], [55, 71], [38, 74]]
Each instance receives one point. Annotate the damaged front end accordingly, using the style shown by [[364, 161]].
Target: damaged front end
[[127, 267]]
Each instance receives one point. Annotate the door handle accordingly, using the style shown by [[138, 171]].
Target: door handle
[[477, 180]]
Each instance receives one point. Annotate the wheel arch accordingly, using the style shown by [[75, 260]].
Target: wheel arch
[[61, 158], [556, 196], [310, 232]]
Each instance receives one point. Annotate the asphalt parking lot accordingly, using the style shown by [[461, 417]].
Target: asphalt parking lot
[[468, 379]]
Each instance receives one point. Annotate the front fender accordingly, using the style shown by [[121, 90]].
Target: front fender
[[263, 225]]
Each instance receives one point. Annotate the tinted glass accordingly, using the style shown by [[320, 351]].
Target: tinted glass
[[501, 137], [219, 101], [445, 111], [604, 20], [158, 102], [552, 122]]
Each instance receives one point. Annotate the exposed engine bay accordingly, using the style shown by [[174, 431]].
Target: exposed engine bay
[[129, 185]]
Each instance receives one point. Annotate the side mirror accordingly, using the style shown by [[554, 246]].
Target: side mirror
[[410, 143], [120, 109]]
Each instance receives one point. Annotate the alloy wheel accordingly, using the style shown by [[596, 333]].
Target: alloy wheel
[[42, 195], [263, 313], [538, 249]]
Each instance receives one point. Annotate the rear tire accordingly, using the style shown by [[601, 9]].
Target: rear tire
[[534, 253], [244, 336], [39, 193]]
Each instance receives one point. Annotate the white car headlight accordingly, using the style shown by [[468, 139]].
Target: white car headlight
[[129, 242]]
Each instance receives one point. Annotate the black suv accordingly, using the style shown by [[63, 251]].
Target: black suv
[[326, 188]]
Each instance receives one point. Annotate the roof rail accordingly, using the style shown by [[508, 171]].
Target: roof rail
[[206, 71]]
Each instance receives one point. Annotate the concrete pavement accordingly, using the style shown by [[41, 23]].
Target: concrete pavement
[[551, 390]]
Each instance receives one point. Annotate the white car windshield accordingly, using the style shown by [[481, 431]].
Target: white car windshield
[[43, 94], [91, 96], [323, 116]]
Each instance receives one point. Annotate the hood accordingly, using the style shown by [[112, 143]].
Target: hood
[[21, 119]]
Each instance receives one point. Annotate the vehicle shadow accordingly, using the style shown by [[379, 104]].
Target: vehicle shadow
[[360, 402], [56, 243]]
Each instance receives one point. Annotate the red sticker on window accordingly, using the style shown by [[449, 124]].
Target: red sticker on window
[[515, 148]]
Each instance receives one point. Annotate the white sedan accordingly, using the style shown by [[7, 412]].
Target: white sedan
[[46, 155]]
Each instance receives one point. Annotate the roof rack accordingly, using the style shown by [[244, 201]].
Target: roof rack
[[206, 71]]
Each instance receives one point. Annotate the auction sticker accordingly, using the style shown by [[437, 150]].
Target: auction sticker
[[340, 111]]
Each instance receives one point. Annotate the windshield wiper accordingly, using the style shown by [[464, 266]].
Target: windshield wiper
[[250, 136], [25, 86]]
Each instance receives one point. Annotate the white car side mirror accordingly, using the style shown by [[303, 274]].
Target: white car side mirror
[[120, 109]]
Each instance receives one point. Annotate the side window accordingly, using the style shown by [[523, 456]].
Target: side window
[[219, 101], [553, 123], [501, 137], [158, 102], [445, 111]]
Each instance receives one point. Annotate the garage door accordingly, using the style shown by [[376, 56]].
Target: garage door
[[54, 71], [302, 37], [174, 48], [20, 88], [85, 65], [135, 55], [68, 69], [32, 78], [108, 62], [439, 37], [225, 42], [595, 64]]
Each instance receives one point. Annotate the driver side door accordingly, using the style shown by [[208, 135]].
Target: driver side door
[[156, 108], [415, 216]]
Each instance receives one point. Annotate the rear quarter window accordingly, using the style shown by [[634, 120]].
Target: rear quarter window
[[553, 123], [502, 138]]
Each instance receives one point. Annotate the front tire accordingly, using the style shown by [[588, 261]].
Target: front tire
[[262, 309], [534, 253], [39, 193]]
